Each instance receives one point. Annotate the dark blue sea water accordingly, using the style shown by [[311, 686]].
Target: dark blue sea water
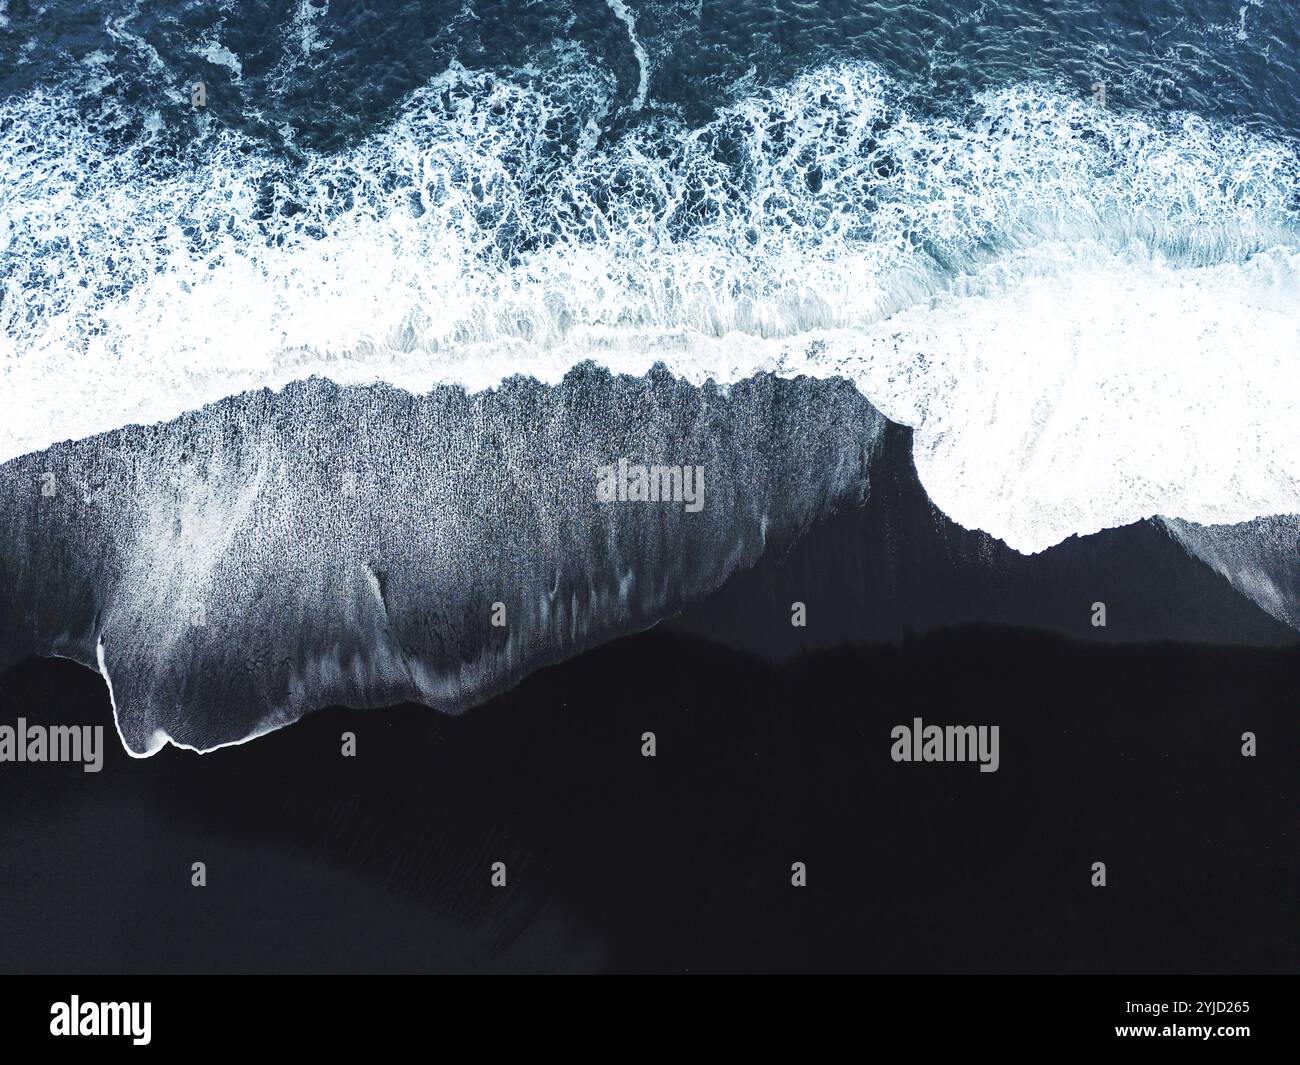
[[320, 74]]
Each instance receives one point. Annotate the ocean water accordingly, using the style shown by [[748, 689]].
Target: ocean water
[[441, 247]]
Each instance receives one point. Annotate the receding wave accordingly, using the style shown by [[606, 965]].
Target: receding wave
[[273, 553]]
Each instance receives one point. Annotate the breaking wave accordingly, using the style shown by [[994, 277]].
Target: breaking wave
[[1088, 316]]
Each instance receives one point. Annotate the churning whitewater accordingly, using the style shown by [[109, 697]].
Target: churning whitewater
[[1088, 316]]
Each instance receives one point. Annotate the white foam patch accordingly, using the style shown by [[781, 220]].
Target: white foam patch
[[219, 55], [1089, 317], [1086, 390]]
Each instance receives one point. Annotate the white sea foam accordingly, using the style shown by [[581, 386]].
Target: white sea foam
[[1088, 317], [626, 17], [219, 55]]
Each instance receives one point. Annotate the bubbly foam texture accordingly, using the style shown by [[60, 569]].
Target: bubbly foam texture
[[626, 17], [1088, 317]]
